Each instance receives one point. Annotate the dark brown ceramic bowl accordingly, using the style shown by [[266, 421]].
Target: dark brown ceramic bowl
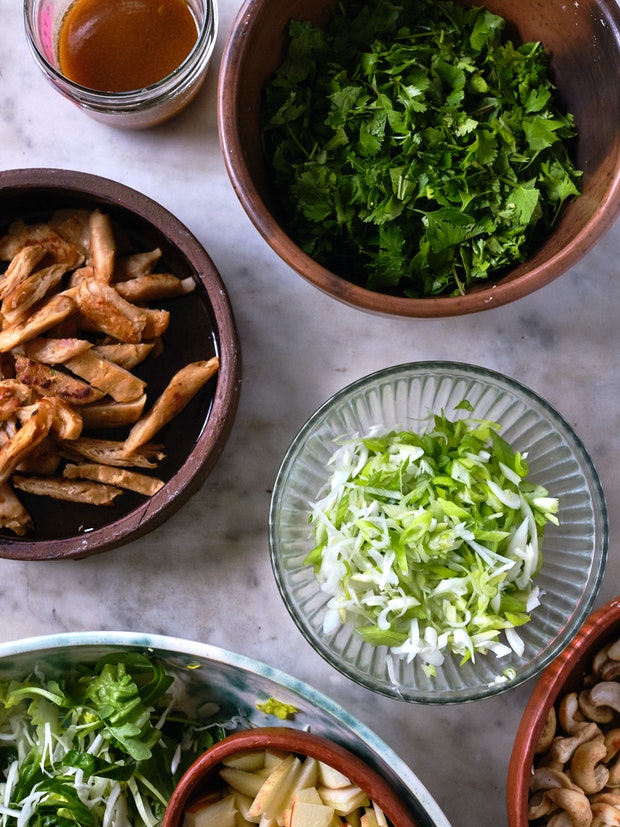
[[202, 776], [564, 675], [202, 325], [583, 40]]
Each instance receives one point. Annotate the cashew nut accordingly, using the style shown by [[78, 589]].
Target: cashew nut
[[605, 815], [606, 798], [540, 805], [546, 778], [586, 769], [592, 710], [606, 693], [548, 732], [574, 803], [563, 748], [600, 659], [606, 663], [569, 713], [560, 820], [614, 775], [575, 780]]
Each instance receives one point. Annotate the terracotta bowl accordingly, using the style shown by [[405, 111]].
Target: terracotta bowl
[[564, 675], [202, 777], [202, 325], [583, 40]]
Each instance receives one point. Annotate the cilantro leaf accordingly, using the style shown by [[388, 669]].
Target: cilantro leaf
[[415, 149]]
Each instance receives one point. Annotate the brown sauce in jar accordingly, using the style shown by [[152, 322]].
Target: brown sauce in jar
[[122, 45]]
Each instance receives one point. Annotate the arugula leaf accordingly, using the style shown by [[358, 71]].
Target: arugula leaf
[[414, 149]]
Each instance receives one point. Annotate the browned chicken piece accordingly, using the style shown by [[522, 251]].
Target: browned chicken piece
[[125, 355], [183, 386], [106, 311], [108, 377], [42, 318], [157, 322], [111, 452], [55, 351], [120, 477], [111, 414], [81, 274], [73, 226], [67, 422], [50, 381], [135, 264], [102, 246], [44, 459], [13, 515], [13, 395], [22, 235], [20, 267], [32, 290], [154, 286], [76, 491], [33, 430]]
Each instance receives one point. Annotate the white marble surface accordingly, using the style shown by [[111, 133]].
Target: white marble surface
[[206, 573]]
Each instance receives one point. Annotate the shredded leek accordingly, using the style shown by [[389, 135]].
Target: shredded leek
[[102, 746], [430, 543]]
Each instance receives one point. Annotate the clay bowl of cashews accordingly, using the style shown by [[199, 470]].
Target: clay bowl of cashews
[[564, 770]]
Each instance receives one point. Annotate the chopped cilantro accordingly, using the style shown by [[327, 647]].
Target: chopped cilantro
[[414, 148]]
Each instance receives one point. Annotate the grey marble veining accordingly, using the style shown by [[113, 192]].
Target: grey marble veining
[[206, 574]]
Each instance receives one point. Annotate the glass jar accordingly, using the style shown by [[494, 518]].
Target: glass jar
[[135, 109]]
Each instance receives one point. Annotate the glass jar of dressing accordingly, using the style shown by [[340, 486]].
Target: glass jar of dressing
[[128, 63]]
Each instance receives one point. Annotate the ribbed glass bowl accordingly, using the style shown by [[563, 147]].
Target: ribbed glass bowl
[[574, 553]]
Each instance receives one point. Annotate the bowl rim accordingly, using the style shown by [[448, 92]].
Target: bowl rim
[[299, 741], [544, 695], [281, 480], [484, 297], [218, 425]]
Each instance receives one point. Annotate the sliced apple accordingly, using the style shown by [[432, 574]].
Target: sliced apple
[[250, 761], [380, 815], [305, 814], [271, 788], [215, 814], [204, 801], [344, 799], [331, 777], [309, 795], [274, 756], [243, 804], [276, 790], [369, 819], [241, 781], [285, 817], [309, 775], [353, 819]]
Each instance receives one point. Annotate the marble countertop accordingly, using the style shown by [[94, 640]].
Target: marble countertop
[[206, 573]]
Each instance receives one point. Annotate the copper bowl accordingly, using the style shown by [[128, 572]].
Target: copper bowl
[[583, 40], [202, 776], [564, 675], [195, 438]]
